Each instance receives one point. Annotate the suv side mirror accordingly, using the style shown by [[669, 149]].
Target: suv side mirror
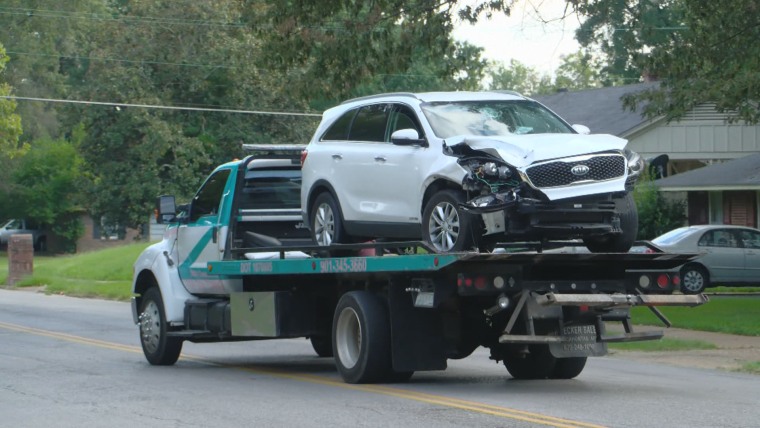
[[581, 129], [167, 209], [408, 137]]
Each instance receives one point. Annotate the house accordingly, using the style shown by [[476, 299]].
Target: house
[[701, 140], [726, 193]]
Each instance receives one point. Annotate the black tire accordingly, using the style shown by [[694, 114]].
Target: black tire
[[322, 345], [326, 221], [445, 225], [159, 349], [568, 368], [620, 242], [694, 279], [537, 363], [362, 338]]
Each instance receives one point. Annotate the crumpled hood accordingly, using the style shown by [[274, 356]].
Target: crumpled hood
[[523, 150]]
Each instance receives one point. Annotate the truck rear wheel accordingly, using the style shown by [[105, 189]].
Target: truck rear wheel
[[362, 339], [568, 368], [537, 363], [158, 347]]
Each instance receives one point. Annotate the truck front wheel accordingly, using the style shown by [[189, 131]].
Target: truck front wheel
[[362, 339], [158, 347]]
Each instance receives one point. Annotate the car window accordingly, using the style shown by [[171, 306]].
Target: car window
[[750, 239], [492, 118], [370, 123], [718, 238], [673, 236], [272, 189], [404, 118], [206, 201], [338, 131]]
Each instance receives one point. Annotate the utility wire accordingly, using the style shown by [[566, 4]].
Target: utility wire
[[112, 104]]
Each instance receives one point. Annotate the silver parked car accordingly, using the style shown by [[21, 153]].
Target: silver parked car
[[730, 255]]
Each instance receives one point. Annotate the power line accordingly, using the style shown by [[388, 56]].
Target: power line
[[162, 107]]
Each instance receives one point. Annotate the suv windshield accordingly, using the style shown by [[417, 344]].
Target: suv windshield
[[491, 118]]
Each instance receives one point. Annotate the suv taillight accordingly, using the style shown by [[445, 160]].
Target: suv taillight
[[303, 156]]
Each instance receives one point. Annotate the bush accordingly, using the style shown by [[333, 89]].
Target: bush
[[657, 214]]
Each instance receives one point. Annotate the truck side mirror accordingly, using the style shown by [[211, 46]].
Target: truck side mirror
[[167, 209]]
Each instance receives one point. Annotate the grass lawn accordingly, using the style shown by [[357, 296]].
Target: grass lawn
[[106, 273], [722, 314], [664, 344]]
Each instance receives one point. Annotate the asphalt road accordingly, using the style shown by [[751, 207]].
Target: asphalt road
[[67, 362]]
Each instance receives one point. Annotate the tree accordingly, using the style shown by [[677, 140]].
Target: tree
[[46, 188], [518, 77], [702, 52], [333, 46], [624, 31], [577, 71], [10, 122]]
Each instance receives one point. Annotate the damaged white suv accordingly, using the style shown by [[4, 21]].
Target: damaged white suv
[[463, 171]]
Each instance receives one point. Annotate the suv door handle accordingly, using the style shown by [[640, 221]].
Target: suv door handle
[[337, 156], [380, 158]]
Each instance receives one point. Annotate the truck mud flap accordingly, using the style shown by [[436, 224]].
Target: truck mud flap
[[414, 349]]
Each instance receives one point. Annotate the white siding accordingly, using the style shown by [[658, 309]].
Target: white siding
[[702, 135]]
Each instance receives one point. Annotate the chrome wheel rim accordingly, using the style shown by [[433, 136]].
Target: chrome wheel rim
[[693, 281], [324, 225], [348, 338], [443, 227], [150, 327]]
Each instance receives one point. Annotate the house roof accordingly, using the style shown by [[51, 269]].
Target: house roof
[[600, 109], [737, 174]]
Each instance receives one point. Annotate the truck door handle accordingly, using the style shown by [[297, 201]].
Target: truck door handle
[[380, 158], [337, 156], [214, 233]]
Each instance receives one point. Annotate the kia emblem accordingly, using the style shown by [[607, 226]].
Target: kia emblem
[[579, 170]]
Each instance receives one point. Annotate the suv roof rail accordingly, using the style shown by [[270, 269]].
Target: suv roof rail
[[508, 92], [394, 94], [274, 148]]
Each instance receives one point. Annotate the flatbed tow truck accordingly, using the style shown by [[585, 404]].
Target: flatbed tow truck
[[382, 313]]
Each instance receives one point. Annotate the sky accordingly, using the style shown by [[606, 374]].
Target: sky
[[523, 36]]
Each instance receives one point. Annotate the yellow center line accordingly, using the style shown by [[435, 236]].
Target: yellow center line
[[498, 411]]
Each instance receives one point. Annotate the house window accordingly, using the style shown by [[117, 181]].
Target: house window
[[739, 208]]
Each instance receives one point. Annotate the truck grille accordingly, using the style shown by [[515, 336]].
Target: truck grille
[[559, 173]]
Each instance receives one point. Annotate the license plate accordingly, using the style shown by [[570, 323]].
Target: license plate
[[578, 341]]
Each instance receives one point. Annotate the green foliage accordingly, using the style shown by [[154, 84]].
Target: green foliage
[[657, 214], [10, 122], [518, 77], [577, 71], [624, 31], [335, 46], [753, 367], [46, 187], [702, 52]]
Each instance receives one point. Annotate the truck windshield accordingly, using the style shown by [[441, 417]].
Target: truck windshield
[[492, 118]]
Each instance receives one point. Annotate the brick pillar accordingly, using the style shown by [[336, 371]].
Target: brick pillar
[[20, 257]]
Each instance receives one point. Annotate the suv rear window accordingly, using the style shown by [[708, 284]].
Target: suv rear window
[[272, 189]]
